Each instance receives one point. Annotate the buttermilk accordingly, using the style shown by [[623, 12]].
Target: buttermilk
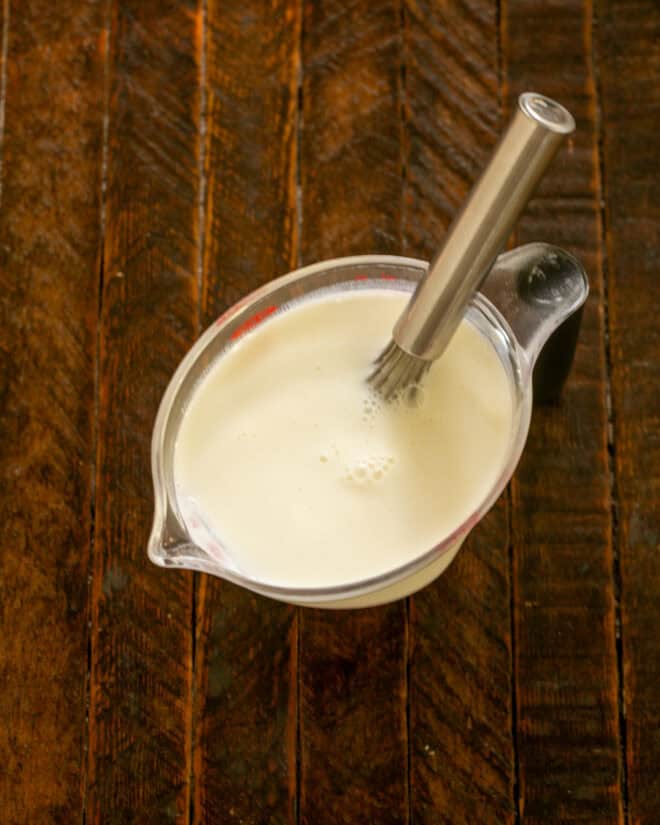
[[305, 477]]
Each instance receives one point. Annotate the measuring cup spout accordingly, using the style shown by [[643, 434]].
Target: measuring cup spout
[[540, 289], [171, 546]]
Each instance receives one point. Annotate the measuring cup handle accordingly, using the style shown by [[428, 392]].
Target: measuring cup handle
[[541, 289]]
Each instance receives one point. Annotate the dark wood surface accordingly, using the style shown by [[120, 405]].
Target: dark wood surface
[[565, 667], [161, 158]]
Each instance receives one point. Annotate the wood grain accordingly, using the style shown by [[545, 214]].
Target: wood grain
[[629, 61], [354, 752], [351, 148], [141, 652], [452, 112], [565, 666], [246, 653], [49, 234], [460, 713]]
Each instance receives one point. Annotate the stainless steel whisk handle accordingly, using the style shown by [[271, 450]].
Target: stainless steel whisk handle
[[535, 133]]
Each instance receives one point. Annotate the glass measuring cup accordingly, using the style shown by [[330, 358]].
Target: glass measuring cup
[[527, 298]]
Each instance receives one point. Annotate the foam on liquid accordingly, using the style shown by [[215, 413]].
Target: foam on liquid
[[305, 477]]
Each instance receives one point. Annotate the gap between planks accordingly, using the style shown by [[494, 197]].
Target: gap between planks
[[106, 37], [202, 183], [601, 185]]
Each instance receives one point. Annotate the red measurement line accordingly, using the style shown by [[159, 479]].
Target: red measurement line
[[252, 322]]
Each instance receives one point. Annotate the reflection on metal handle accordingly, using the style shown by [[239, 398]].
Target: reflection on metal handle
[[530, 142]]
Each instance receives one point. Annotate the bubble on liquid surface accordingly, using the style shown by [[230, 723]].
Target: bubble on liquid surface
[[370, 470], [371, 405]]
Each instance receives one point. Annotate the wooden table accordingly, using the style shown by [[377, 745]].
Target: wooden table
[[159, 160]]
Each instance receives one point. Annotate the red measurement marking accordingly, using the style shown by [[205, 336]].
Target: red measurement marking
[[385, 277], [252, 322], [361, 278]]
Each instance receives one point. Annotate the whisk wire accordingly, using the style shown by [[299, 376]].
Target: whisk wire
[[396, 373]]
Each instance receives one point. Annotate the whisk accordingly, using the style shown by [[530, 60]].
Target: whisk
[[427, 324]]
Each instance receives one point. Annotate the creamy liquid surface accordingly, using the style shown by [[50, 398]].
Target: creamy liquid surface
[[304, 477]]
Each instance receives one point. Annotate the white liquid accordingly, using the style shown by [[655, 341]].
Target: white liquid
[[305, 478]]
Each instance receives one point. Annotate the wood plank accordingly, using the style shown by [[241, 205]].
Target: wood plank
[[351, 149], [460, 714], [629, 62], [565, 666], [246, 645], [49, 236], [354, 752], [140, 702]]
